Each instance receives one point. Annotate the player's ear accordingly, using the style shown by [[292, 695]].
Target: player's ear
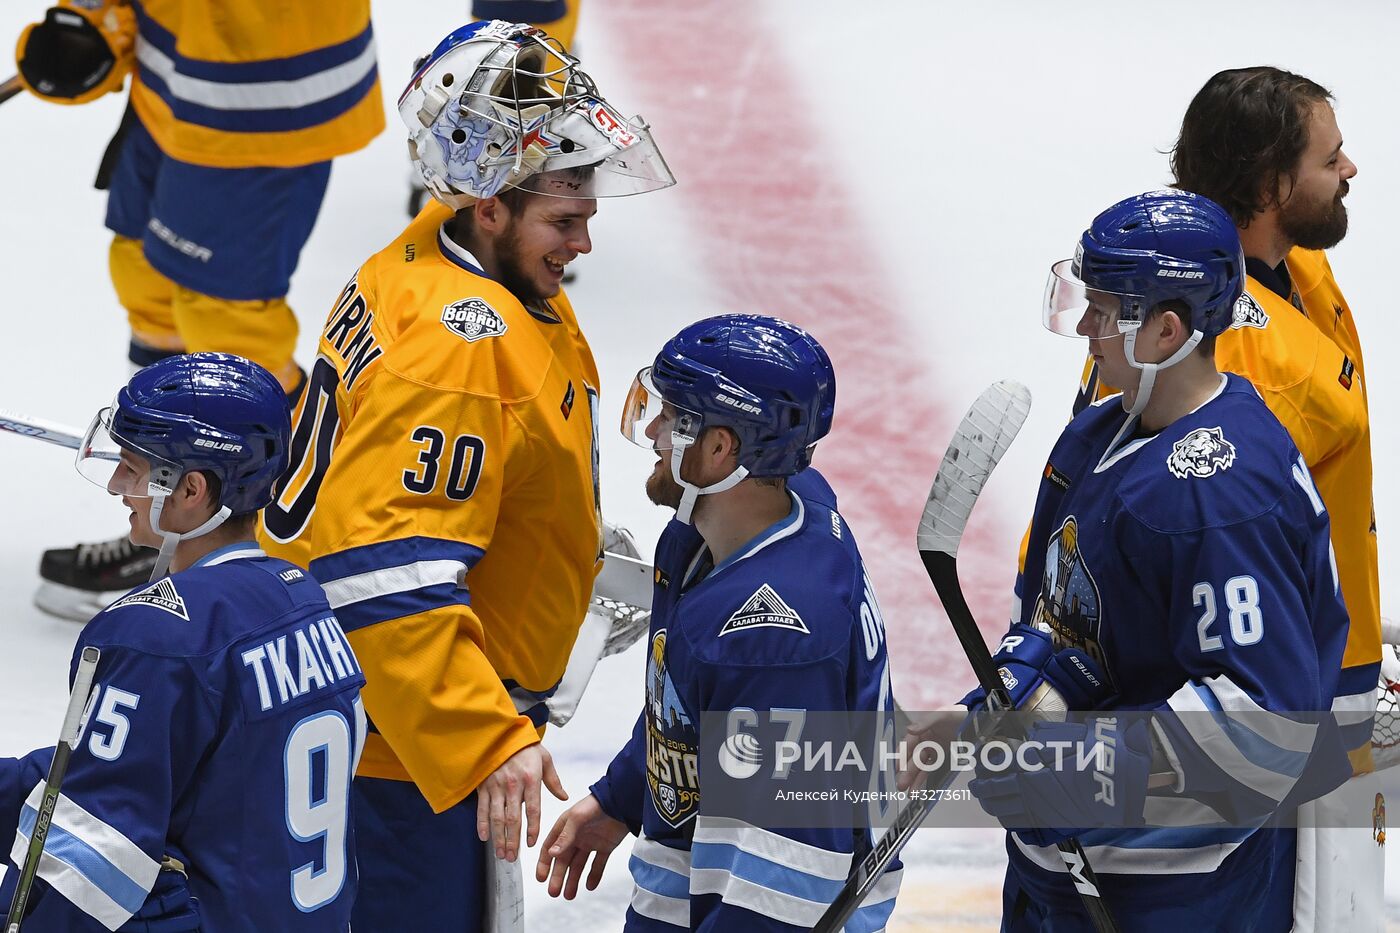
[[1174, 330], [723, 445], [491, 215], [196, 490]]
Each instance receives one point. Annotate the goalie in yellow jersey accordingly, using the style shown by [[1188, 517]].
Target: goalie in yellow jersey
[[443, 484], [1264, 144]]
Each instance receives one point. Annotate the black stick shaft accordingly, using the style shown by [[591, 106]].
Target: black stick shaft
[[943, 571], [40, 835]]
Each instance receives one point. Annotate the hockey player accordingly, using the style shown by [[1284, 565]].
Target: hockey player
[[240, 106], [1181, 553], [1282, 175], [210, 790], [444, 479], [762, 601]]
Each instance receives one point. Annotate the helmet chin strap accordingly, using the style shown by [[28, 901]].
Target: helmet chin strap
[[169, 540], [679, 443], [1149, 370]]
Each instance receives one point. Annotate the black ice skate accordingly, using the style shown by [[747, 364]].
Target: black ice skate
[[79, 582]]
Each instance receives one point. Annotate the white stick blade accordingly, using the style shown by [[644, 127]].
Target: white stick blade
[[984, 435], [40, 429]]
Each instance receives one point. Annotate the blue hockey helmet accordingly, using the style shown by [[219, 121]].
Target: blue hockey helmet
[[1145, 250], [210, 412], [766, 380]]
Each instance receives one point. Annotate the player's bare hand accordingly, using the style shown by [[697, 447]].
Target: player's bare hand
[[514, 784], [939, 728], [582, 830]]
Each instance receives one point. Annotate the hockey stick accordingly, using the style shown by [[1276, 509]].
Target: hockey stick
[[977, 446], [40, 429], [10, 88], [67, 742], [981, 440]]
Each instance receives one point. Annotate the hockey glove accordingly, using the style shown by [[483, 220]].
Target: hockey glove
[[79, 52], [1045, 800], [1039, 678]]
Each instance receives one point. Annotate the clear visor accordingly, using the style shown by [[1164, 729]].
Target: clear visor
[[611, 156], [1076, 310], [650, 422], [120, 467], [588, 148]]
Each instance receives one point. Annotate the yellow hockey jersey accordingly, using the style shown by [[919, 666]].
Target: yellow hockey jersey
[[275, 83], [1304, 357], [444, 492]]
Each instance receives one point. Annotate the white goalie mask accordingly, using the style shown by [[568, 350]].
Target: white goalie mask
[[500, 105]]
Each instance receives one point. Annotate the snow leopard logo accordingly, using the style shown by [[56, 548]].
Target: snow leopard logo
[[1202, 453]]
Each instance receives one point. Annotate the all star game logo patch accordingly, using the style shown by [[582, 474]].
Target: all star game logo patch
[[162, 595], [1202, 453], [473, 319], [764, 609], [1248, 313]]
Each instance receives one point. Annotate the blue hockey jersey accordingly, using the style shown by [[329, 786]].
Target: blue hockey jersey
[[1195, 565], [223, 731], [789, 621]]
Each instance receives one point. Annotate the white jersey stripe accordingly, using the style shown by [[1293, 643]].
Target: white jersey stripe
[[390, 580], [772, 847], [256, 95]]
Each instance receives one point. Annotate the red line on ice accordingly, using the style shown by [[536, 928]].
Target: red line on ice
[[781, 237]]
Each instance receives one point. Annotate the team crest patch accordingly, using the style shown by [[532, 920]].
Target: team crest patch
[[764, 609], [162, 595], [1202, 453], [473, 319], [1248, 313]]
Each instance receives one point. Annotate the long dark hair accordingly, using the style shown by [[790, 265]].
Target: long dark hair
[[1242, 136]]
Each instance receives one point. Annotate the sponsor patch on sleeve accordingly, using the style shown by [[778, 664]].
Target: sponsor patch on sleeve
[[1056, 477]]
